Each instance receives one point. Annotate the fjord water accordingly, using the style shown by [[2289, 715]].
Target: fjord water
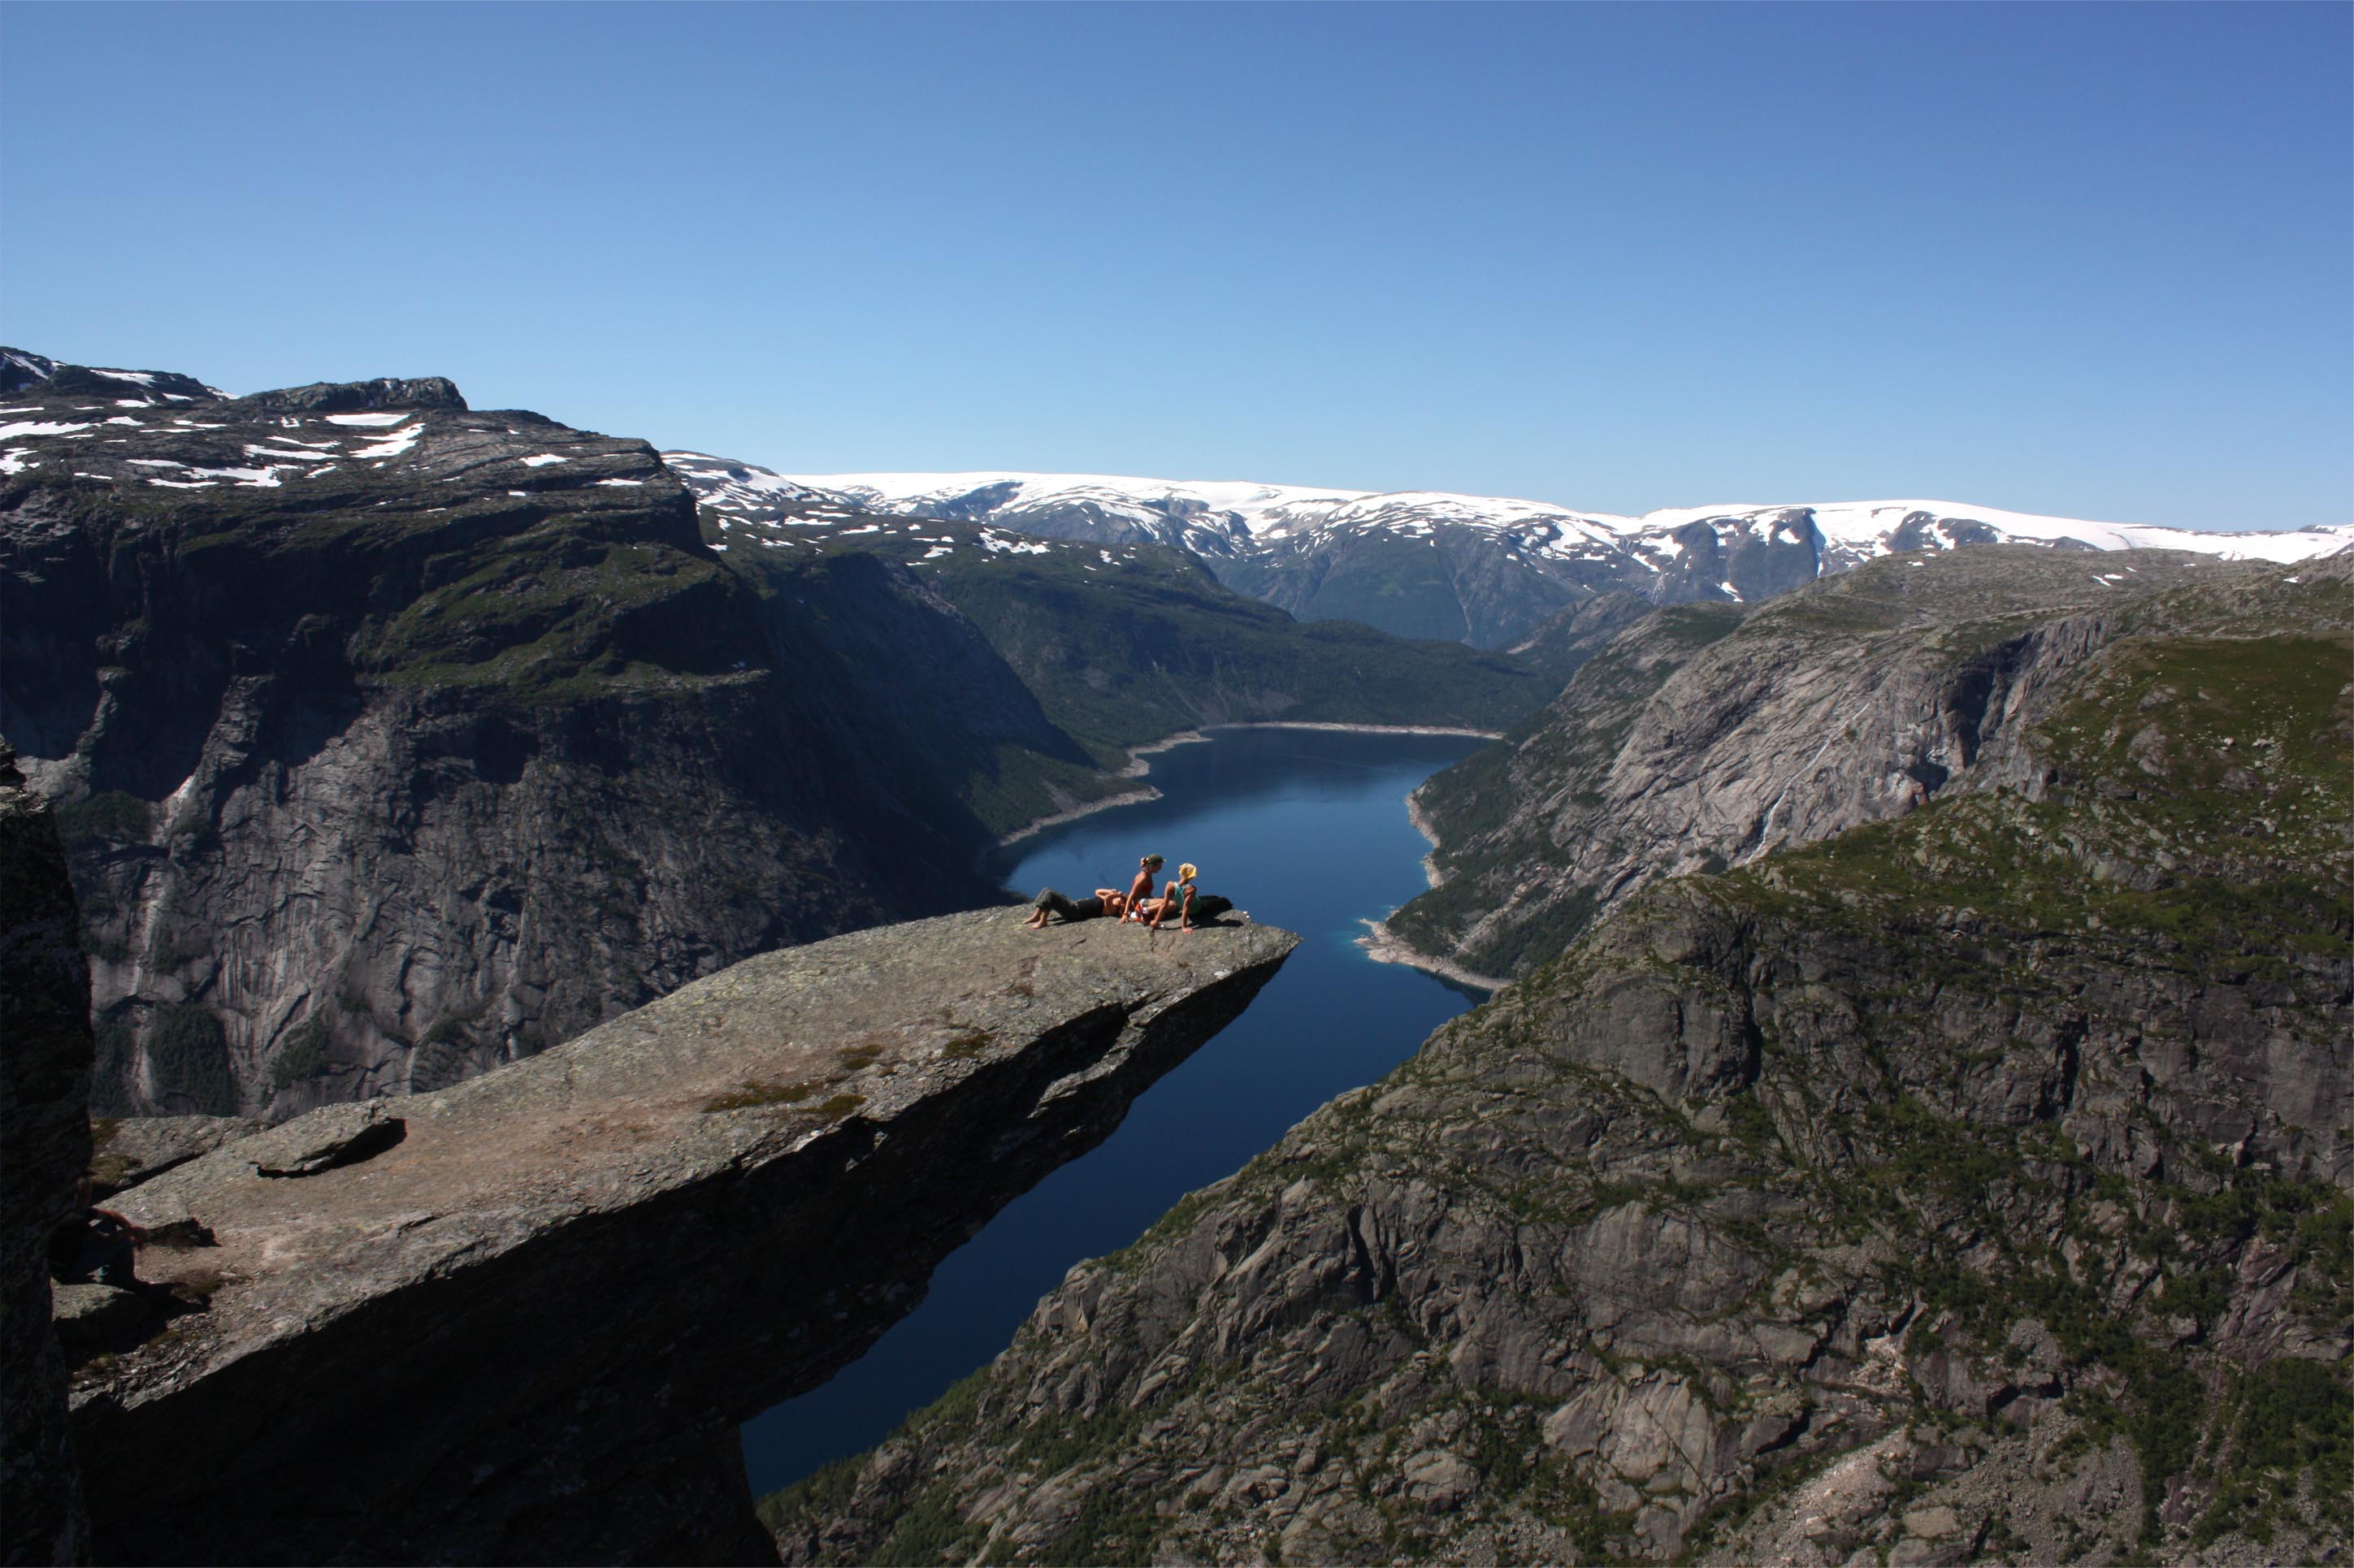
[[1305, 829]]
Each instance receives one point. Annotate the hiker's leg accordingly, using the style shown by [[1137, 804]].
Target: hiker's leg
[[1048, 899]]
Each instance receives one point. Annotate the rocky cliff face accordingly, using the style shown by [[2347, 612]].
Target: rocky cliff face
[[520, 1319], [45, 1056], [1708, 736], [394, 740], [1972, 1185]]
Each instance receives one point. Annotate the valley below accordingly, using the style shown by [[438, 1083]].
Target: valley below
[[528, 913], [1304, 828]]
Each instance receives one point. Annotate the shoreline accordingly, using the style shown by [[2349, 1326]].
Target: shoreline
[[1137, 766], [1056, 820], [1363, 729], [1413, 813], [1385, 946]]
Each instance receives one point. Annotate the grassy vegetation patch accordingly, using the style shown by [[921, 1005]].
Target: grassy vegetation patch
[[108, 816], [2289, 1417], [302, 1057], [188, 1052], [969, 1044], [753, 1095]]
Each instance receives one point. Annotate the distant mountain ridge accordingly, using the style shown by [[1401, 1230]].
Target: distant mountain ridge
[[1480, 569]]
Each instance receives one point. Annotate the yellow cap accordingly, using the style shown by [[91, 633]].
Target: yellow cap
[[1185, 872]]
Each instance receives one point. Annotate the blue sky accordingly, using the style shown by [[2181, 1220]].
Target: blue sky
[[2091, 261]]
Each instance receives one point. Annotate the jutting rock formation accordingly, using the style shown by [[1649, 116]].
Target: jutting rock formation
[[520, 1319]]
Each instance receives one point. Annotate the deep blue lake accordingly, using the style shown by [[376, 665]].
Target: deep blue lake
[[1305, 829]]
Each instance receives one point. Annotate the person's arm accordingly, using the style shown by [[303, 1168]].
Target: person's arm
[[134, 1232], [1185, 914]]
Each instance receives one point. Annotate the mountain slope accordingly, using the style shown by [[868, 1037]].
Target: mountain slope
[[1969, 1186], [1133, 641], [1482, 569], [1705, 736]]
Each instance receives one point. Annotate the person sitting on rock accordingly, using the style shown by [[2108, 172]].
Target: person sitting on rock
[[1140, 891], [1178, 900], [96, 1244], [1103, 901]]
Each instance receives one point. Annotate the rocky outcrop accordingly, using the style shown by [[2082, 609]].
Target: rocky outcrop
[[1974, 1185], [127, 1150], [1708, 736], [45, 1053], [393, 741], [521, 1318], [357, 396]]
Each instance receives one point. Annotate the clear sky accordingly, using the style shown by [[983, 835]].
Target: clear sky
[[2091, 261]]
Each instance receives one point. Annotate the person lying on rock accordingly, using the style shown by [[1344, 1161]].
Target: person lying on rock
[[1140, 890], [1103, 901]]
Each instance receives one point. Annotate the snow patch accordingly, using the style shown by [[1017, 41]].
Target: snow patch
[[395, 443]]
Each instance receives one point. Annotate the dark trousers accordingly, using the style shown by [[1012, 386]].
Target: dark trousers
[[1055, 903]]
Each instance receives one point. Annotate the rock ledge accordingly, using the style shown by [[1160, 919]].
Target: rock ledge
[[526, 1327]]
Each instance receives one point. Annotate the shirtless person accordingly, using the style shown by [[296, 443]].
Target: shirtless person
[[1104, 901]]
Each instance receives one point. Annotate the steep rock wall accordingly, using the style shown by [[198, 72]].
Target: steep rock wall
[[45, 1054], [1708, 736]]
